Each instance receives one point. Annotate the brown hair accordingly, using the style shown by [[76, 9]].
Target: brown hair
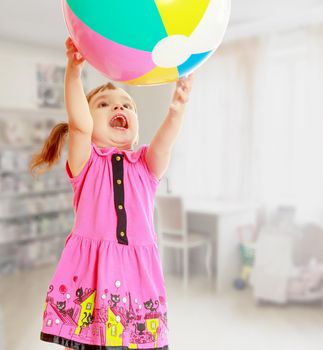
[[53, 145]]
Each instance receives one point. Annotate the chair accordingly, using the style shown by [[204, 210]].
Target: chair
[[173, 232]]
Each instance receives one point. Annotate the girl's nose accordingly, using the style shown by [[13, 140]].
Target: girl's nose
[[118, 106]]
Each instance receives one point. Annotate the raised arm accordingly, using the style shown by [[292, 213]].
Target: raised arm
[[79, 117], [159, 151]]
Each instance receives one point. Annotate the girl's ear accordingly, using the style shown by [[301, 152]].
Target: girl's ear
[[137, 140]]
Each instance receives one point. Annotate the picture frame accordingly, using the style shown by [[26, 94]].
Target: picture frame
[[50, 85]]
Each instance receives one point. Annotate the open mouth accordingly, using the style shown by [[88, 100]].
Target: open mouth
[[119, 121]]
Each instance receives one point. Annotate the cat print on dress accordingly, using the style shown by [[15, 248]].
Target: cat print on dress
[[149, 305], [114, 321]]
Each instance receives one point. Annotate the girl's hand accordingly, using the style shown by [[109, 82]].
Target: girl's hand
[[181, 94], [75, 59]]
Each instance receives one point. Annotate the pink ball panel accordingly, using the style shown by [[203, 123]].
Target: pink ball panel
[[117, 62]]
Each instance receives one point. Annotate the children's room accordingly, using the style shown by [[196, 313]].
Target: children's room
[[210, 174]]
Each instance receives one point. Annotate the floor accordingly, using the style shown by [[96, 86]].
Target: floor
[[198, 318]]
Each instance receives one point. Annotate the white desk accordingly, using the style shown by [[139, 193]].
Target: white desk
[[221, 220]]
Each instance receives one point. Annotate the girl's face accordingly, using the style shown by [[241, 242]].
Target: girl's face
[[115, 121]]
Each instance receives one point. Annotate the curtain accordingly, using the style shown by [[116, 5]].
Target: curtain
[[253, 129], [288, 122], [212, 157]]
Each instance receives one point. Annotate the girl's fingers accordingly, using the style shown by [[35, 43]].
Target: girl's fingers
[[72, 47], [183, 90], [70, 55], [78, 58], [190, 77], [81, 60], [184, 84], [69, 43], [181, 95], [187, 80], [74, 58], [72, 51]]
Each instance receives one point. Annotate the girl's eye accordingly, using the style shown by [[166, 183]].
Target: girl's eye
[[102, 104], [127, 105]]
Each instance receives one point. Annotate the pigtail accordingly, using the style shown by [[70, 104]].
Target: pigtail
[[52, 148], [51, 151]]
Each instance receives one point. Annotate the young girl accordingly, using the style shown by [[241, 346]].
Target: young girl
[[108, 289]]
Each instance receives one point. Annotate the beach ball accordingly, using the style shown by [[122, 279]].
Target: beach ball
[[146, 42]]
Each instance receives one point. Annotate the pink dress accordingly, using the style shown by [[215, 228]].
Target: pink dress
[[108, 289]]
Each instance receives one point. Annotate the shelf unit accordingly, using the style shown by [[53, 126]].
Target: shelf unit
[[36, 214]]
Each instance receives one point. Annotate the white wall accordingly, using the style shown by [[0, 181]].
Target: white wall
[[152, 103], [18, 72], [18, 89]]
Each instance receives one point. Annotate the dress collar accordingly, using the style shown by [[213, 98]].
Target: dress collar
[[132, 156]]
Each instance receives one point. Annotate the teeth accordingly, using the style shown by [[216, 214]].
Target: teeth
[[124, 120]]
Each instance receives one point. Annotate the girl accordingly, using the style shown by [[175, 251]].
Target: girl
[[108, 289]]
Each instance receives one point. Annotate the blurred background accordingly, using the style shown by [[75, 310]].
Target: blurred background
[[244, 186]]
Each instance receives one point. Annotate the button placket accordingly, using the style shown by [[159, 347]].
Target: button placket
[[118, 189]]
